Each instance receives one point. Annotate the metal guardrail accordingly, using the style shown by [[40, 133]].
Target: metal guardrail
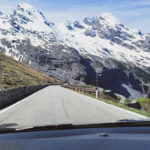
[[80, 89]]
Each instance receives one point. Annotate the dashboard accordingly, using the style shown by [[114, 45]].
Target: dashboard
[[110, 138]]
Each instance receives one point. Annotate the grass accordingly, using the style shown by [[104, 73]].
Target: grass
[[14, 74], [116, 103], [127, 101], [145, 103], [109, 96]]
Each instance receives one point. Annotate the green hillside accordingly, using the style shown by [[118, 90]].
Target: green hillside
[[14, 74]]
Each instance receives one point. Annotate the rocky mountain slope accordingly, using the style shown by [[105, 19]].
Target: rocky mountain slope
[[79, 51]]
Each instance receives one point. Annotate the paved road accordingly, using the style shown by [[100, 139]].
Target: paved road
[[56, 105]]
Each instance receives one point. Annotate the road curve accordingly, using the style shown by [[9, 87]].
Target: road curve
[[56, 105]]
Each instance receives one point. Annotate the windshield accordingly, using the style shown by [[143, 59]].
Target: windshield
[[74, 62]]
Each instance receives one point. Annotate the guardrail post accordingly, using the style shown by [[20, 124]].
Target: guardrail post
[[96, 92]]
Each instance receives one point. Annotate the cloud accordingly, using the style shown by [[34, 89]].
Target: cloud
[[5, 8], [134, 14]]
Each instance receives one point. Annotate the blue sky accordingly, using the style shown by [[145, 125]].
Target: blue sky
[[132, 13]]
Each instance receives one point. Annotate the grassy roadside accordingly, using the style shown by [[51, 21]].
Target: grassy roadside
[[15, 74], [145, 103], [147, 114]]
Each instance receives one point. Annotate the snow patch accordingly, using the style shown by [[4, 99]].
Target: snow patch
[[108, 19], [134, 94]]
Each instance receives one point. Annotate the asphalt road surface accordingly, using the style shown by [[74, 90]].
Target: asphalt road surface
[[56, 105]]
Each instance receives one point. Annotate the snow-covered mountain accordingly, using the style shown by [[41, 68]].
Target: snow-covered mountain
[[78, 51], [103, 36]]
